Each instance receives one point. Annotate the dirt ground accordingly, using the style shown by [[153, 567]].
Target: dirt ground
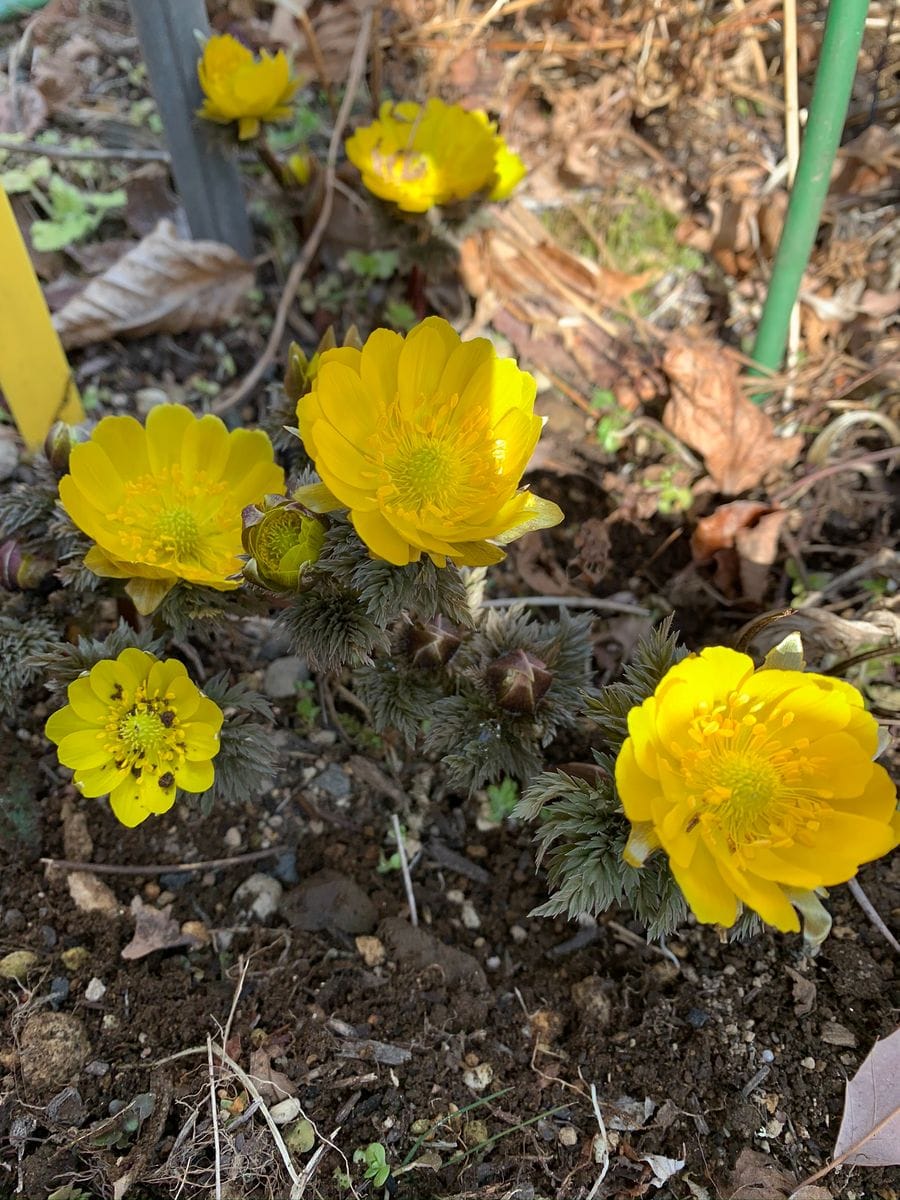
[[492, 1055]]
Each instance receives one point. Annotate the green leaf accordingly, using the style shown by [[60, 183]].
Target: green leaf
[[20, 179]]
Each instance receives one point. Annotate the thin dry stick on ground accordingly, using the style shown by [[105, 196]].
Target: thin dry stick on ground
[[298, 270]]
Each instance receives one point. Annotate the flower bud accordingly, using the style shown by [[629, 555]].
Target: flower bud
[[519, 680], [21, 571], [301, 371], [432, 643], [58, 445], [281, 539]]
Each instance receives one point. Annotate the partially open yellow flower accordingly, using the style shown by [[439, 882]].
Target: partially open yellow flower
[[135, 729], [163, 502], [419, 156], [759, 785], [424, 439], [240, 87]]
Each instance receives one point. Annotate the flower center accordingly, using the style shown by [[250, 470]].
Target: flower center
[[748, 781], [143, 732], [436, 467], [177, 532], [166, 519]]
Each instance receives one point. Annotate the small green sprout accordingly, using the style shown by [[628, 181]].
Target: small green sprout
[[305, 709], [612, 420], [502, 798], [375, 1158]]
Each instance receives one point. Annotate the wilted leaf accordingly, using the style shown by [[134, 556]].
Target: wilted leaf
[[757, 1176], [154, 930], [741, 538], [663, 1168], [165, 284], [828, 637], [871, 1121], [273, 1084], [709, 412]]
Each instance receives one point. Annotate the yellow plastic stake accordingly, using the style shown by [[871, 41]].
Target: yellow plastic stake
[[35, 377]]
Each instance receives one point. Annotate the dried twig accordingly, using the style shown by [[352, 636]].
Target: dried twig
[[210, 864], [298, 270], [214, 1117], [404, 870], [612, 606], [126, 154], [849, 1152], [872, 913]]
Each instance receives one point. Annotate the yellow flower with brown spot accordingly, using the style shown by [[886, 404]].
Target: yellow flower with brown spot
[[422, 155], [238, 86], [759, 785], [424, 439], [162, 502], [136, 729]]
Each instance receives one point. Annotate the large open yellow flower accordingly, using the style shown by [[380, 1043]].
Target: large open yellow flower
[[422, 155], [240, 87], [135, 729], [424, 439], [163, 502], [758, 784]]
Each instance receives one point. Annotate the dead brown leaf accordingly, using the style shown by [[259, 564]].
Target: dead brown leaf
[[828, 637], [24, 112], [741, 539], [873, 1100], [165, 284], [709, 412], [804, 993], [757, 1176], [62, 75], [273, 1084], [154, 929]]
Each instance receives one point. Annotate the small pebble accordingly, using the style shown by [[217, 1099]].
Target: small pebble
[[174, 881], [95, 990], [493, 963], [286, 1111], [283, 676], [17, 964], [808, 1063], [152, 889], [470, 917], [767, 1056], [478, 1078], [334, 782], [49, 935], [568, 1135], [14, 920], [59, 992], [697, 1017], [518, 934], [74, 958], [197, 932], [233, 837], [455, 896], [258, 897], [97, 1067], [164, 898], [590, 996], [285, 868], [371, 950]]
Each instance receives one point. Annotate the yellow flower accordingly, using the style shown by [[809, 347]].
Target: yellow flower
[[239, 87], [759, 785], [135, 729], [421, 155], [163, 503], [424, 439]]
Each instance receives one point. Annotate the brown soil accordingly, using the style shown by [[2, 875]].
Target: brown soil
[[715, 1047]]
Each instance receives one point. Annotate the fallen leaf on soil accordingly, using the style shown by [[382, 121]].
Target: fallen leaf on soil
[[828, 637], [663, 1168], [741, 538], [804, 993], [273, 1084], [154, 930], [873, 1100], [756, 1176], [163, 285], [29, 113], [709, 412]]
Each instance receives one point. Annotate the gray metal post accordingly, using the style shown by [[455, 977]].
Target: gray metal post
[[207, 179]]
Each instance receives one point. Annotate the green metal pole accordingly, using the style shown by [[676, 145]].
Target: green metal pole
[[844, 27]]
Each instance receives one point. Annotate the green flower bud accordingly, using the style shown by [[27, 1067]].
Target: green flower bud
[[58, 445], [519, 681], [281, 539], [21, 571], [432, 644], [301, 371]]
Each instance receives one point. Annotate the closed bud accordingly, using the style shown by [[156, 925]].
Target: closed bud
[[519, 680], [281, 539], [21, 571], [58, 445], [301, 371], [432, 644]]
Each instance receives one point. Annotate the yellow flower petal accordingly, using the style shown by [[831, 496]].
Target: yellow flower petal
[[710, 897]]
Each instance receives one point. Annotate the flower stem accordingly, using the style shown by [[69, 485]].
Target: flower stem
[[844, 27], [277, 171]]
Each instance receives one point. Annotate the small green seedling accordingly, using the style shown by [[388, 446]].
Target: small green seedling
[[375, 1158], [393, 863], [72, 214], [305, 708], [502, 798], [611, 421], [376, 264], [400, 314]]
